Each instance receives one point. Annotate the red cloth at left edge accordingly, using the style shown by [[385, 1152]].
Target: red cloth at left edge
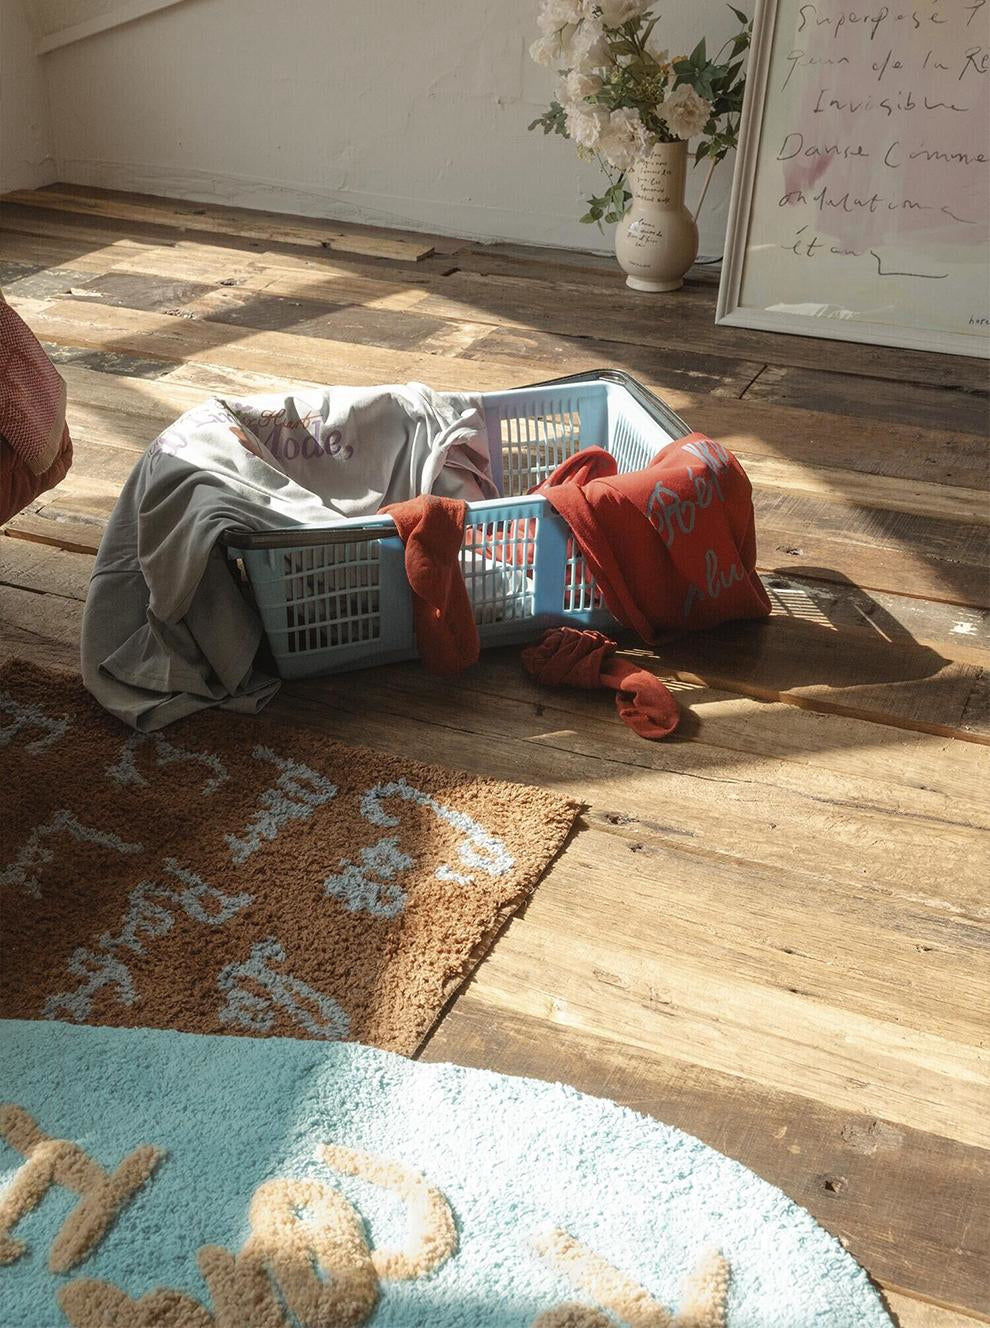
[[432, 529]]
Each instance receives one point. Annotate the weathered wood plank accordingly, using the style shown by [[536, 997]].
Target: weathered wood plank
[[844, 1167], [702, 1005], [125, 290], [941, 502], [446, 246], [634, 317], [911, 1312], [307, 296], [798, 550], [43, 628], [519, 260], [956, 633], [795, 449], [829, 538], [294, 276], [74, 535], [44, 569], [875, 401], [46, 226], [95, 255], [35, 281], [860, 674], [99, 327], [855, 782], [98, 391], [299, 283], [242, 222], [306, 317], [572, 310], [403, 329], [237, 298], [822, 439]]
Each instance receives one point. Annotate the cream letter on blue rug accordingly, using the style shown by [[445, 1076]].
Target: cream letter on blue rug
[[184, 1181]]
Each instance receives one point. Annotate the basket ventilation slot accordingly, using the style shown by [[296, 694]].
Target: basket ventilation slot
[[580, 592], [332, 596], [497, 561], [533, 446]]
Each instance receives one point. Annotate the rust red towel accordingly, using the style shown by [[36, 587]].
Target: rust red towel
[[432, 529], [671, 545], [573, 658]]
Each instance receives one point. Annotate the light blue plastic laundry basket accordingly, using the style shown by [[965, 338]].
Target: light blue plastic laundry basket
[[337, 597]]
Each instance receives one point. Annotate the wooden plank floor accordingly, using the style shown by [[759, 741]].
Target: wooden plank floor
[[771, 931]]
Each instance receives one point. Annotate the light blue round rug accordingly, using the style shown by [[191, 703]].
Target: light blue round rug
[[174, 1180]]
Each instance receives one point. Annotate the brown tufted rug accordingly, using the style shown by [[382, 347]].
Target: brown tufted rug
[[232, 875]]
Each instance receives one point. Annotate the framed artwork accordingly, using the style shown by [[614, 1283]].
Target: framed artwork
[[860, 205]]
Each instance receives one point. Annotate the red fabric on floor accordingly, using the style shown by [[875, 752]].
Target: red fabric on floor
[[432, 529], [570, 657]]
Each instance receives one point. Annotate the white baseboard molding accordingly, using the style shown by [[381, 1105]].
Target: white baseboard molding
[[125, 11], [469, 221]]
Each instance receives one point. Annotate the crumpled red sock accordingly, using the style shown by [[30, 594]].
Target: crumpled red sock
[[574, 658], [432, 529]]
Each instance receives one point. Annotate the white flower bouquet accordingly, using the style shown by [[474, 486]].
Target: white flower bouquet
[[620, 93]]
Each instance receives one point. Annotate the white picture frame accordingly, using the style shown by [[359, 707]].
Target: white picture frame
[[774, 24]]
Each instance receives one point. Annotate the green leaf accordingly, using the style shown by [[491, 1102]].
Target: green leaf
[[698, 55], [701, 151], [743, 18]]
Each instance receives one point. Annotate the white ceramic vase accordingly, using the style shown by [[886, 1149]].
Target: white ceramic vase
[[657, 241]]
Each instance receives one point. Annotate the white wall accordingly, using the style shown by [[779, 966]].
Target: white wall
[[404, 112], [26, 143]]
